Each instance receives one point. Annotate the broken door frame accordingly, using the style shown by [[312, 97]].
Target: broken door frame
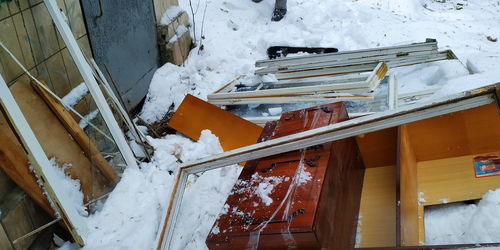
[[333, 132], [90, 81], [41, 164]]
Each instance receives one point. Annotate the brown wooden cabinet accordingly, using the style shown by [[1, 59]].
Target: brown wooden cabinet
[[308, 198]]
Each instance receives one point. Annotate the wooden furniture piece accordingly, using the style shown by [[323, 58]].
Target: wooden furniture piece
[[306, 198], [195, 115], [434, 166]]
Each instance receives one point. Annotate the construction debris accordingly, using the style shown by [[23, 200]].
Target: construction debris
[[371, 123], [195, 115]]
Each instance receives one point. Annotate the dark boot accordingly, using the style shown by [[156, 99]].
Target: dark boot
[[278, 14], [257, 1]]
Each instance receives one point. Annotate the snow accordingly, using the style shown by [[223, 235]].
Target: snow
[[229, 52], [170, 15], [458, 223], [236, 34], [179, 32], [129, 219], [75, 95]]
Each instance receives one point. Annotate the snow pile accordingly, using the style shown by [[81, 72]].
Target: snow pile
[[75, 95], [70, 187], [130, 217], [460, 223], [238, 34]]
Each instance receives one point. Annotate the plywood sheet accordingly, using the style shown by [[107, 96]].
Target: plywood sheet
[[377, 226], [467, 132], [451, 180], [408, 190], [379, 148], [195, 115], [54, 139]]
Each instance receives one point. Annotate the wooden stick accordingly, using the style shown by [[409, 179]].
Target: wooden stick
[[78, 134]]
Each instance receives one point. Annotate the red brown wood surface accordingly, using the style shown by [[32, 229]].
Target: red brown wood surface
[[310, 208]]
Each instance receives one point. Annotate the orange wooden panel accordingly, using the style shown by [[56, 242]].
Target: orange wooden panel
[[379, 148], [467, 132], [409, 189], [195, 115]]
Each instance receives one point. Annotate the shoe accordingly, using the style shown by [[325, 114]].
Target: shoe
[[278, 14], [257, 1]]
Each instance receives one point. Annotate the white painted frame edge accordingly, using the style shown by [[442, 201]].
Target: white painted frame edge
[[90, 81], [43, 168]]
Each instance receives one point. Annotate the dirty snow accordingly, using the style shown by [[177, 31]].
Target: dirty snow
[[237, 33]]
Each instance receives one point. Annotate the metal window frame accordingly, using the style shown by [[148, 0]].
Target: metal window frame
[[333, 132]]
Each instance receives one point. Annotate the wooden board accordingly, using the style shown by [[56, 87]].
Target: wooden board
[[14, 163], [195, 115], [408, 190], [452, 179], [377, 227], [55, 140], [467, 132], [379, 148], [78, 134]]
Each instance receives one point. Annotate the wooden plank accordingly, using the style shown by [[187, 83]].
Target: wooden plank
[[409, 190], [379, 148], [14, 163], [195, 115], [366, 124], [78, 134], [289, 99], [467, 132], [349, 55], [377, 227], [54, 139], [452, 179], [351, 66], [43, 168]]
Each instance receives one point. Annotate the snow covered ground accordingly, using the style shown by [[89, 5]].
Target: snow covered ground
[[237, 33]]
